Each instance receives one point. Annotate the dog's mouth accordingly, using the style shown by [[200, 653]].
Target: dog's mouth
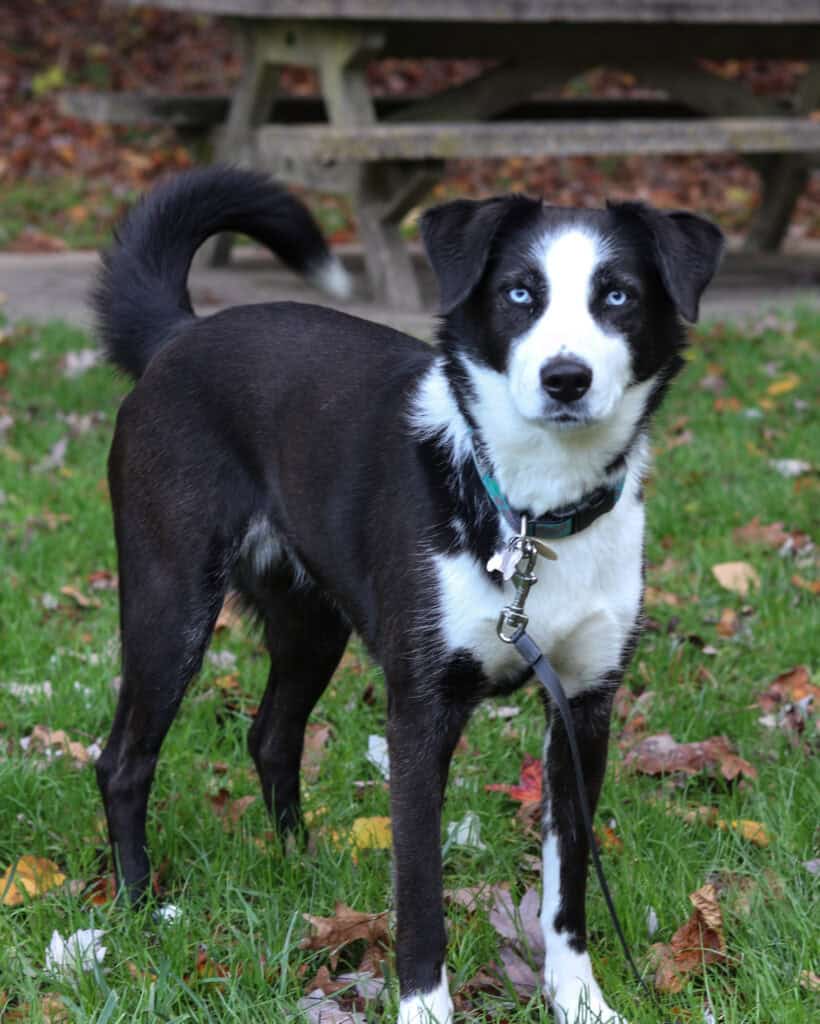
[[567, 419]]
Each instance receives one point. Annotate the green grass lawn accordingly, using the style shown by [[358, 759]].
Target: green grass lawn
[[242, 898]]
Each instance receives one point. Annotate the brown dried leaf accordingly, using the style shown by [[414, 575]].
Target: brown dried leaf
[[473, 897], [729, 622], [230, 811], [55, 741], [694, 945], [772, 535], [655, 596], [789, 688], [661, 754], [738, 577], [345, 926], [317, 736], [79, 598], [812, 586]]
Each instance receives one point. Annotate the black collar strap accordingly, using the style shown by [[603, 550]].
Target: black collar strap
[[559, 522]]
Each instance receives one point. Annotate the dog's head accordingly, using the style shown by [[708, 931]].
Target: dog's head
[[574, 308]]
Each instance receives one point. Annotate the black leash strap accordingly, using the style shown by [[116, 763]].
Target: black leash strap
[[531, 653]]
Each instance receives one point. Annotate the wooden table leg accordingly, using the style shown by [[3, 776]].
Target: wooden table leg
[[784, 176], [250, 106]]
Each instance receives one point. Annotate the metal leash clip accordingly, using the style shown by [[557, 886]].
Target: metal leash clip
[[512, 622]]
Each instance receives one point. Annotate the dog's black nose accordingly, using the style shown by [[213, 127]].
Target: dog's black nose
[[565, 379]]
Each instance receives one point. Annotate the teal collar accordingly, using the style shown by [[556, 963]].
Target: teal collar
[[560, 522]]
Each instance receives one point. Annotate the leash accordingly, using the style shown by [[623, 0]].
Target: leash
[[512, 629]]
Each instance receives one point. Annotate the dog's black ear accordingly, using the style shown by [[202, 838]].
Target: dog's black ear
[[458, 237], [686, 250]]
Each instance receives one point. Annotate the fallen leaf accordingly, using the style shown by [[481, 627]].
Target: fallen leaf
[[608, 839], [51, 1009], [229, 811], [56, 743], [103, 579], [810, 980], [654, 596], [317, 737], [32, 875], [729, 622], [752, 831], [473, 897], [661, 754], [374, 833], [789, 687], [530, 783], [771, 535], [738, 577], [207, 967], [694, 945], [727, 404], [317, 1008], [519, 924], [466, 832], [812, 586], [344, 927], [79, 598], [782, 386]]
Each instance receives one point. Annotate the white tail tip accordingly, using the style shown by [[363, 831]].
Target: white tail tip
[[331, 277]]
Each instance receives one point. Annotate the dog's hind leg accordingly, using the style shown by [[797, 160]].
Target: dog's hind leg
[[306, 637], [170, 595]]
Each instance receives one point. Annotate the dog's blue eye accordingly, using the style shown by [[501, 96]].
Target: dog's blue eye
[[520, 296], [616, 298]]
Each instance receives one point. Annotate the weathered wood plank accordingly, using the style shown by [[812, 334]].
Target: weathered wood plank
[[187, 111], [664, 11], [414, 141], [140, 108]]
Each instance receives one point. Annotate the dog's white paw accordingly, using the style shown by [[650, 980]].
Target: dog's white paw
[[434, 1007], [578, 1003]]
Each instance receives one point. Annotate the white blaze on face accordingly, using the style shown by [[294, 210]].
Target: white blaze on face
[[567, 328]]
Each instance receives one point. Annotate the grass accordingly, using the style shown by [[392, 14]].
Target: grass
[[242, 898]]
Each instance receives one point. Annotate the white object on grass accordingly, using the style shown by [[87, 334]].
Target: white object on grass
[[466, 832], [80, 951], [377, 754]]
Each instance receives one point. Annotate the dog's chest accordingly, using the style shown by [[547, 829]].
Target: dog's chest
[[581, 611]]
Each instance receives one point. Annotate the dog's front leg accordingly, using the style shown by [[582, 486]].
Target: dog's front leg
[[568, 980], [422, 735]]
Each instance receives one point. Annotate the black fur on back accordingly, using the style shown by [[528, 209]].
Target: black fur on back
[[141, 297]]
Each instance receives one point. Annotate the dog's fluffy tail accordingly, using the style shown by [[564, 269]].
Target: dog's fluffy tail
[[141, 298]]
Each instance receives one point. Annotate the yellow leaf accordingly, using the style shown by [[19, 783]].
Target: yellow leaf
[[752, 831], [766, 403], [783, 385], [35, 875], [738, 577], [371, 834]]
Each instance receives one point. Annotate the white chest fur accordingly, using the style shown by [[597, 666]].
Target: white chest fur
[[581, 611]]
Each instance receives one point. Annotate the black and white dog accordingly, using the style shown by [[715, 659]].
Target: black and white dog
[[344, 476]]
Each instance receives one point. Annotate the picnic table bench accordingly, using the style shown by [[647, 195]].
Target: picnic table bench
[[386, 154]]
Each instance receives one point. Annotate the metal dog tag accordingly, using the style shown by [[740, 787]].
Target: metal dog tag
[[543, 549]]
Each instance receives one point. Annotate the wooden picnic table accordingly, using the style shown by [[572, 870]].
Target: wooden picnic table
[[388, 159]]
